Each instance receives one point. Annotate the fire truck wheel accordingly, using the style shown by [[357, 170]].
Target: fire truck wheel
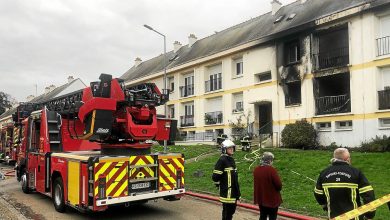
[[58, 195], [24, 182]]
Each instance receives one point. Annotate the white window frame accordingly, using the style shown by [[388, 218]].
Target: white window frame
[[171, 80], [328, 126], [383, 125], [170, 108], [258, 75], [348, 127], [238, 62]]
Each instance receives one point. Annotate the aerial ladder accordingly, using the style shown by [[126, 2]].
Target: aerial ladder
[[91, 149]]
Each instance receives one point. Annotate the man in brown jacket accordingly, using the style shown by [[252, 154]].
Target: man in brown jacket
[[267, 186]]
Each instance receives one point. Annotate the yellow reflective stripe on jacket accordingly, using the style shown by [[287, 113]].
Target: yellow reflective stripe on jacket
[[227, 200], [365, 189], [229, 168], [217, 172], [353, 196], [321, 192], [340, 185], [229, 184]]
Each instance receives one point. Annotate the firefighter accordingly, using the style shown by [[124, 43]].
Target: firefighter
[[225, 177], [340, 186]]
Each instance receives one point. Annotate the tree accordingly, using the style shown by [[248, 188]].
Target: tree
[[241, 126], [5, 102]]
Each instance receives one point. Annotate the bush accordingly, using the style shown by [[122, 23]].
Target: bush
[[300, 135], [377, 144]]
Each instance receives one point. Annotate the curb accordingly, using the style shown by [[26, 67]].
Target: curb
[[252, 207]]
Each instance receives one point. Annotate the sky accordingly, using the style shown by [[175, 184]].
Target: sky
[[42, 42]]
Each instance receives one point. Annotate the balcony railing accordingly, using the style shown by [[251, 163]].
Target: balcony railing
[[333, 104], [186, 120], [186, 90], [383, 46], [384, 99], [212, 118], [214, 84], [334, 58]]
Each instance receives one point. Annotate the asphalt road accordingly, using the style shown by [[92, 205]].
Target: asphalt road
[[14, 204]]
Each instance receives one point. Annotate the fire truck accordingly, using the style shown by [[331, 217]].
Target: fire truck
[[91, 149]]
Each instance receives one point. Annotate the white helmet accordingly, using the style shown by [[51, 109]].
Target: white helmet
[[227, 144]]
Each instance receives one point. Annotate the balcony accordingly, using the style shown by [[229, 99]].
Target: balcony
[[333, 104], [213, 84], [186, 90], [384, 99], [186, 120], [201, 136], [383, 46], [212, 118], [334, 58]]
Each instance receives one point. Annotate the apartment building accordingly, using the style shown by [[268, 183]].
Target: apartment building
[[324, 61]]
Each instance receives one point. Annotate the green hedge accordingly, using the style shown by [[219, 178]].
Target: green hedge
[[300, 135]]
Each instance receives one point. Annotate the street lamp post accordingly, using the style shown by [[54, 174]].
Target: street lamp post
[[165, 74]]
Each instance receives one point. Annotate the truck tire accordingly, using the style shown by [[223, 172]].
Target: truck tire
[[24, 182], [58, 195]]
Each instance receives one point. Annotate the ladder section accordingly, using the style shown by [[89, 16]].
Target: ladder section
[[54, 131]]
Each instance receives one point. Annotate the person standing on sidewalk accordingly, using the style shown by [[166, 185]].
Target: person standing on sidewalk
[[225, 177], [267, 187]]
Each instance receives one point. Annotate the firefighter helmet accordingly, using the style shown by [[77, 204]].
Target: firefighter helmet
[[227, 144]]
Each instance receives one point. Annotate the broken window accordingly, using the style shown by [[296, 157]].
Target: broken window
[[331, 48], [263, 77], [332, 94], [292, 52], [292, 94]]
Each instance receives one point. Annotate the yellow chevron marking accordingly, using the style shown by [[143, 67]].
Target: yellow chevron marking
[[117, 180], [101, 171], [118, 193]]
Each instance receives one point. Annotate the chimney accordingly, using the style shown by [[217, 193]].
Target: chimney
[[276, 5], [137, 61], [191, 40], [47, 90], [29, 98], [176, 46], [52, 87], [70, 79]]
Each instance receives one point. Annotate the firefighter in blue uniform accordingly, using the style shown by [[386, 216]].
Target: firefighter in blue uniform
[[225, 177], [340, 187]]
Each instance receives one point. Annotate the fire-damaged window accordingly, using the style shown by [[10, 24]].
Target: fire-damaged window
[[332, 94], [292, 52], [292, 93], [330, 48]]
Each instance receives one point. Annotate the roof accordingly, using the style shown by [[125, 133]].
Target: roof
[[41, 98], [262, 28]]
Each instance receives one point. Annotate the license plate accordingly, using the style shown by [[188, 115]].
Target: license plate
[[140, 185]]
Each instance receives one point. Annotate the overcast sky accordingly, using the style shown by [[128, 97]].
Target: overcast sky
[[42, 42]]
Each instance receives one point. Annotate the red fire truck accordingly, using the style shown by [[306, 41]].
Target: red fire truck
[[92, 148]]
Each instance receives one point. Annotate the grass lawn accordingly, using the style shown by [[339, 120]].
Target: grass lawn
[[297, 192]]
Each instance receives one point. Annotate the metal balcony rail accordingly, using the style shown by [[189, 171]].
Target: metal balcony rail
[[186, 90], [383, 46], [384, 99], [266, 128], [214, 84], [292, 100], [333, 104], [212, 118], [200, 136], [186, 120], [334, 58]]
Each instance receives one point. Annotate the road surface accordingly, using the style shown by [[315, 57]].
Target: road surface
[[14, 204]]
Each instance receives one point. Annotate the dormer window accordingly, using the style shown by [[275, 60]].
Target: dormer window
[[279, 19], [291, 16]]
